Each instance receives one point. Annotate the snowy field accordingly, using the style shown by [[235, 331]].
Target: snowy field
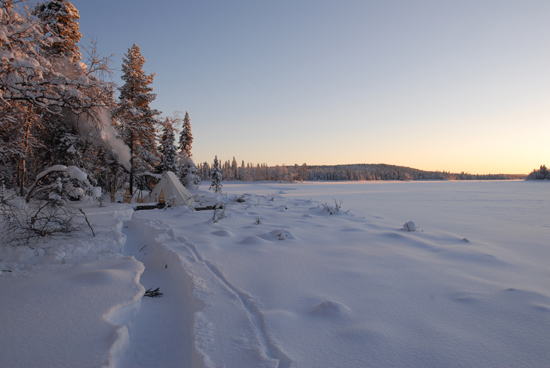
[[279, 281]]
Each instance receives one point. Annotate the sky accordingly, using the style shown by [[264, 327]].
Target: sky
[[435, 85]]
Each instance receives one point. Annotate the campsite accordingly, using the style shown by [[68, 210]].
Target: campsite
[[274, 184]]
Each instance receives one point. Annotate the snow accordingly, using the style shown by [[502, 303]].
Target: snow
[[42, 331], [73, 172], [66, 303], [282, 282], [96, 192], [50, 169]]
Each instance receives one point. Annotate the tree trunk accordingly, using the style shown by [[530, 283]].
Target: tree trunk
[[23, 163], [131, 164], [113, 187]]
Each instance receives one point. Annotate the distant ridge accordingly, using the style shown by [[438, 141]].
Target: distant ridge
[[394, 172], [346, 172]]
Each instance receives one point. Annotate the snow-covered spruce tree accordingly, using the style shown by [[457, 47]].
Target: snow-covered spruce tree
[[59, 19], [137, 119], [168, 154], [188, 172], [186, 137], [216, 176]]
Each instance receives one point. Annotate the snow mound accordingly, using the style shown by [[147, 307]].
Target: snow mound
[[353, 230], [331, 309], [279, 234], [223, 233], [252, 240]]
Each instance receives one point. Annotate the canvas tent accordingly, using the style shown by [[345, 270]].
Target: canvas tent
[[170, 188]]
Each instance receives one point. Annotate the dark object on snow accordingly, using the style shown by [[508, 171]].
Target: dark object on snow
[[207, 208], [242, 198], [214, 207], [410, 226], [153, 293], [153, 206]]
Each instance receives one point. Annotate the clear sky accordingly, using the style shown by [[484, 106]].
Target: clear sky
[[437, 85]]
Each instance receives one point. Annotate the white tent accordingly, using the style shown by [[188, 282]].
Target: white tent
[[170, 189]]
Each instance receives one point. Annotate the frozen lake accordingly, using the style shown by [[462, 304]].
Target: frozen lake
[[469, 288], [515, 211]]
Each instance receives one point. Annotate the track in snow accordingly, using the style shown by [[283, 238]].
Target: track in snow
[[161, 332], [272, 351]]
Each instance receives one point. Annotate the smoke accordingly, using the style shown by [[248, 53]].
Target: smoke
[[107, 136], [112, 142]]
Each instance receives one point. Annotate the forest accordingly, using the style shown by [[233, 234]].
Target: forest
[[262, 172], [57, 109], [541, 174]]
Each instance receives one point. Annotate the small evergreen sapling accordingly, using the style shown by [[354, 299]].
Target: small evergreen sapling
[[216, 177]]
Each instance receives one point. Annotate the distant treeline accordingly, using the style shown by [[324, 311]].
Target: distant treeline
[[541, 174], [262, 172]]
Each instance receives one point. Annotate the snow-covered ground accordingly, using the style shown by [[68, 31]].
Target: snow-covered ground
[[281, 282]]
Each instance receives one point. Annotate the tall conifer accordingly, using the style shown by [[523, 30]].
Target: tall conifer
[[167, 149], [186, 137], [138, 120]]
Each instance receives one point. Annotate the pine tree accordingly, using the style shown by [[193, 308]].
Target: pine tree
[[59, 19], [234, 169], [216, 177], [167, 149], [186, 138], [138, 120]]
